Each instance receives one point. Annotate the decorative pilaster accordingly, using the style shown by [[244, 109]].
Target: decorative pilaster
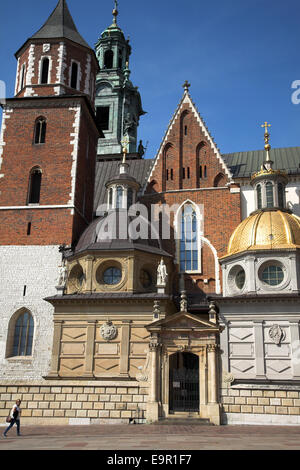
[[259, 349], [89, 274], [212, 395], [89, 349], [124, 359], [152, 405], [56, 348]]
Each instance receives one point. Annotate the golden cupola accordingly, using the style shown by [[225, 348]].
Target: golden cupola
[[266, 230], [271, 226]]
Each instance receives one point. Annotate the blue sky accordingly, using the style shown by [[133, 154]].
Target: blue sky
[[240, 56]]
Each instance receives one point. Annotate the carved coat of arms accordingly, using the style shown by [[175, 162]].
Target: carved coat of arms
[[276, 334], [108, 331]]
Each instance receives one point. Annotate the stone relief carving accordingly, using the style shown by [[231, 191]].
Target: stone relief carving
[[143, 374], [108, 331], [228, 377], [276, 334]]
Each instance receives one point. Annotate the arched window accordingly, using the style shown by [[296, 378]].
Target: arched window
[[280, 195], [110, 198], [23, 335], [108, 59], [129, 198], [35, 181], [22, 81], [189, 259], [120, 59], [119, 204], [45, 71], [258, 193], [74, 75], [40, 131], [269, 194]]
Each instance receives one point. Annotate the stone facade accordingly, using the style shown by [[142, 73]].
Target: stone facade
[[272, 405], [63, 403]]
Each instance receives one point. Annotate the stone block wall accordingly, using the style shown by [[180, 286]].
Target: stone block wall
[[260, 406], [58, 403]]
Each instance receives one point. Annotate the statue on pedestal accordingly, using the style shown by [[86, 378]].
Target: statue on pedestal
[[162, 274]]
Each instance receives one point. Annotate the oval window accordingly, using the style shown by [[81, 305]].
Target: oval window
[[112, 276], [272, 275], [240, 279]]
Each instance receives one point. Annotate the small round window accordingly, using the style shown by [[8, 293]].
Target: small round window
[[272, 275], [145, 279], [240, 279], [112, 276]]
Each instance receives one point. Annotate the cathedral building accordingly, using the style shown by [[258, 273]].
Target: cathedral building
[[134, 289]]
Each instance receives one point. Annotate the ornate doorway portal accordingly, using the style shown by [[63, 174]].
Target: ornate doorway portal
[[184, 382]]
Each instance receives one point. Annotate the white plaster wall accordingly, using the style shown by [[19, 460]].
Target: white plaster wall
[[37, 268], [292, 198]]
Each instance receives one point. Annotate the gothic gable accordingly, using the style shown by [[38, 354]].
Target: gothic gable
[[188, 158]]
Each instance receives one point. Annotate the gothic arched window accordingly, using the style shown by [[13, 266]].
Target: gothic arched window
[[189, 257], [35, 181], [23, 335], [45, 71], [40, 131]]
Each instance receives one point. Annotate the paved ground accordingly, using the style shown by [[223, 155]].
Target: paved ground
[[152, 437]]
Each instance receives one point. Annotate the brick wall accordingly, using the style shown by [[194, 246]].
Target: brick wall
[[61, 55], [204, 181]]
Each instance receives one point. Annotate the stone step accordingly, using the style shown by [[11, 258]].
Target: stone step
[[180, 421]]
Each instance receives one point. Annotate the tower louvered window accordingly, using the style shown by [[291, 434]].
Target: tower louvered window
[[45, 71], [40, 131]]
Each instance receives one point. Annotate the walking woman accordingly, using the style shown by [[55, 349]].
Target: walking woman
[[15, 415]]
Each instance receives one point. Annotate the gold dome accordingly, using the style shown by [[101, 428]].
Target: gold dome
[[266, 230]]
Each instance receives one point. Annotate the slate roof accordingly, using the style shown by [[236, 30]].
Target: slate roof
[[244, 164], [111, 296], [60, 24], [106, 170]]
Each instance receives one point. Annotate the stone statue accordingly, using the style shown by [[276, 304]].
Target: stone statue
[[62, 275], [162, 274], [183, 302], [129, 124], [141, 149]]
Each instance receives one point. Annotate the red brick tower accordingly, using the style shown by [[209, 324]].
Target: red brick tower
[[49, 138]]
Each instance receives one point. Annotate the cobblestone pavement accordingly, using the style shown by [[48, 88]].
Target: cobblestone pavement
[[152, 437]]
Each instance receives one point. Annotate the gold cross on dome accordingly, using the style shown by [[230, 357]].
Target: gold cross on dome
[[125, 143], [266, 125]]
